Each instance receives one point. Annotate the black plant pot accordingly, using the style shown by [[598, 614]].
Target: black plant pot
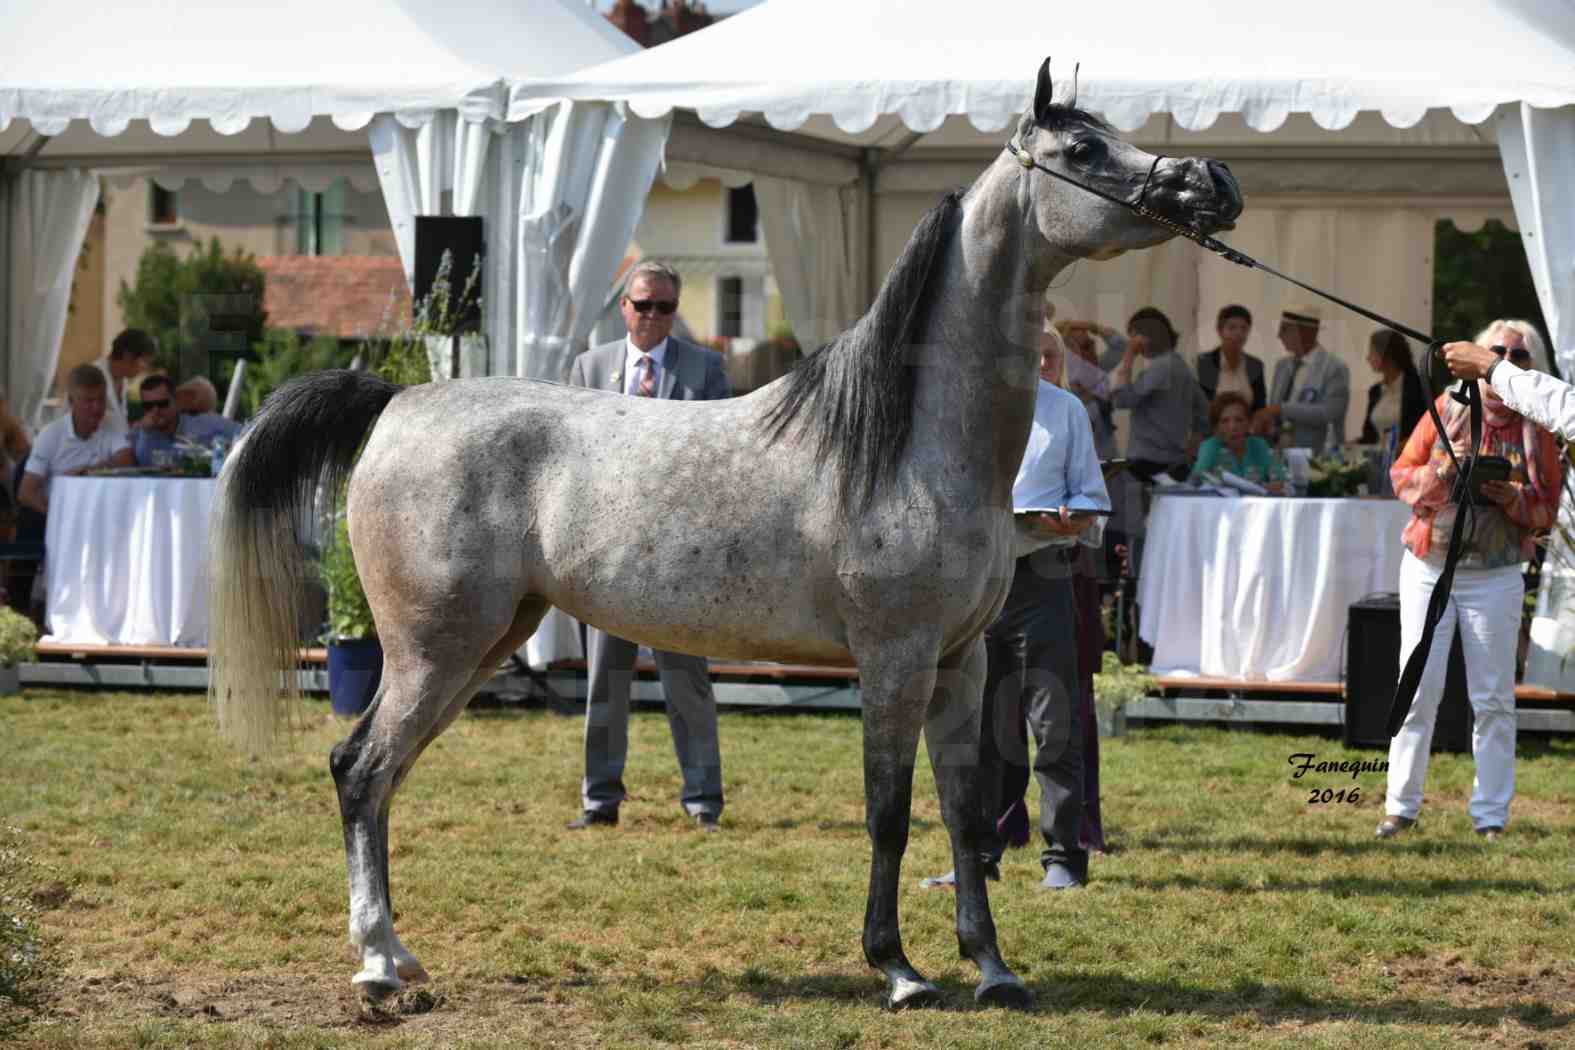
[[354, 668]]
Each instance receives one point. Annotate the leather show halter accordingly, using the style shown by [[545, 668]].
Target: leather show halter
[[1469, 395]]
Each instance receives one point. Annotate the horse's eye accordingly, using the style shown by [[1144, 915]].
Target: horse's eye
[[1081, 152]]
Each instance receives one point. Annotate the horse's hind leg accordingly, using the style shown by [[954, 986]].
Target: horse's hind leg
[[952, 735], [414, 704], [897, 679]]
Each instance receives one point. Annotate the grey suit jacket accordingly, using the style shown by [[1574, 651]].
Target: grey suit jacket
[[689, 372], [1321, 405]]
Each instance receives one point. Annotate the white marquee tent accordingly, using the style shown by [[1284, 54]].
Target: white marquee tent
[[297, 89], [411, 95], [1353, 126]]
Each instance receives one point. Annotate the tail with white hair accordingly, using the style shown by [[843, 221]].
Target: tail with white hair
[[309, 430]]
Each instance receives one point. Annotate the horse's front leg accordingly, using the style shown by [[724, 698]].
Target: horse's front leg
[[970, 801], [896, 680]]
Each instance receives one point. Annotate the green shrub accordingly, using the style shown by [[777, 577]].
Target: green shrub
[[27, 963], [281, 356], [18, 637], [1118, 684], [349, 615]]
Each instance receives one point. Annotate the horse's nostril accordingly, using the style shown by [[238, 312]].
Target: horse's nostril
[[1225, 188]]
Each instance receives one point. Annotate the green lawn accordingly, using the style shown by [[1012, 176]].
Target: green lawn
[[203, 897]]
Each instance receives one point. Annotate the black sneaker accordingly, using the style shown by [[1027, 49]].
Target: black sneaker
[[708, 822], [593, 817]]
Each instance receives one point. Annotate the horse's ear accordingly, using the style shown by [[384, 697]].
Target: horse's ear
[[1043, 93]]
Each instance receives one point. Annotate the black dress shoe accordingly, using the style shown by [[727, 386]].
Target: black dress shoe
[[708, 822], [592, 817], [1391, 826]]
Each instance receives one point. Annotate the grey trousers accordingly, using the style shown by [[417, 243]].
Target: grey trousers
[[691, 715]]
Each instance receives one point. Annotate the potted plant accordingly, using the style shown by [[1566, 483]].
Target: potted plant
[[1115, 686], [355, 656], [18, 637]]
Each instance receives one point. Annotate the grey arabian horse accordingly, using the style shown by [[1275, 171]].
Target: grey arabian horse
[[858, 508]]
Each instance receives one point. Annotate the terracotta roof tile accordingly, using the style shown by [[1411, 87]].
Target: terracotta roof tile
[[346, 296]]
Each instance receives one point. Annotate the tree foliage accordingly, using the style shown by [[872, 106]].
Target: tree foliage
[[207, 300], [1478, 277]]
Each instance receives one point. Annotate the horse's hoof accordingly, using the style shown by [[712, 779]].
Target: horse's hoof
[[1009, 992], [907, 994], [375, 985]]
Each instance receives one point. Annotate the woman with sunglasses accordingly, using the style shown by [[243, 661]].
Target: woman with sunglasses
[[1488, 590], [1550, 402]]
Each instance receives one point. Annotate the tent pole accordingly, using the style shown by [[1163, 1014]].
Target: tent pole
[[869, 170]]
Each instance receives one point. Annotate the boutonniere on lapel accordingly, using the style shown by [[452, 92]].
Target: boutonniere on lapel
[[617, 378]]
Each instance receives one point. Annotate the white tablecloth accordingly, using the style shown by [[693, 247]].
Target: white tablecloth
[[127, 560], [1260, 588]]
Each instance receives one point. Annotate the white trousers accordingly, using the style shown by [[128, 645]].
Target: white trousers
[[1486, 603]]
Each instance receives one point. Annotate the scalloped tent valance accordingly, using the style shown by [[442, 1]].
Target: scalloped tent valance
[[925, 60], [281, 64]]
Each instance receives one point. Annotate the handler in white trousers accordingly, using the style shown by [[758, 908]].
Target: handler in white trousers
[[1486, 598], [1547, 401]]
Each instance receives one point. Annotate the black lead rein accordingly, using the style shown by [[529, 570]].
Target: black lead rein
[[1470, 395]]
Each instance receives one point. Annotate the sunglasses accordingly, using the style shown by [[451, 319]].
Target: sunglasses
[[1519, 356], [665, 307], [149, 405]]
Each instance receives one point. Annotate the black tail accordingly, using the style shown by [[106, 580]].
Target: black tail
[[309, 426], [309, 430]]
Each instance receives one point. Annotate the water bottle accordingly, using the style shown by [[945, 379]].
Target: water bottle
[[216, 456]]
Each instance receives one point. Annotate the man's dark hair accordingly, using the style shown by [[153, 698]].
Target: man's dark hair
[[1233, 310], [1154, 315], [85, 377], [157, 382], [133, 342]]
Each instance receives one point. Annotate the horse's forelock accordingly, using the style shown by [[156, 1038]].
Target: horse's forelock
[[1059, 117]]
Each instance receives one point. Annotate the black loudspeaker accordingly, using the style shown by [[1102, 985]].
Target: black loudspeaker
[[460, 235], [1372, 670]]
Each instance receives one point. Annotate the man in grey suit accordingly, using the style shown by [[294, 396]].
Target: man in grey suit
[[1311, 388], [650, 363]]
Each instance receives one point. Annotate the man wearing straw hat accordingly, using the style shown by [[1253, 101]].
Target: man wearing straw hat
[[1311, 388]]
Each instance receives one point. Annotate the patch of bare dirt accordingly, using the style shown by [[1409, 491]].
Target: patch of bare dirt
[[1452, 978], [512, 1007]]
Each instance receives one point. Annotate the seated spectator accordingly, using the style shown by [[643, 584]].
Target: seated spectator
[[1232, 449], [130, 355], [1396, 401], [162, 425], [80, 441], [196, 397], [1229, 366]]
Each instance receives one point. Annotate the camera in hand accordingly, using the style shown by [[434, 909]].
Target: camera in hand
[[1478, 469]]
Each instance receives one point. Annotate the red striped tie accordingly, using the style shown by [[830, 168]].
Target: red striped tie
[[647, 386]]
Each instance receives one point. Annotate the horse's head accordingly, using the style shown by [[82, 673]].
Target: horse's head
[[1065, 141]]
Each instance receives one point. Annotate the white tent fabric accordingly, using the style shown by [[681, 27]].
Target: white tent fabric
[[284, 60], [1538, 147], [587, 171], [47, 219], [812, 233], [925, 59]]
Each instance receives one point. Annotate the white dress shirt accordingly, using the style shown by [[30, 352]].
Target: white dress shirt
[[633, 372], [1546, 401], [1060, 467]]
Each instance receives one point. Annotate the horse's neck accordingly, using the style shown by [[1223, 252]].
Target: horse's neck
[[979, 364]]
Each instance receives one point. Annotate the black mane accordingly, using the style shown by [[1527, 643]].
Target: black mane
[[854, 396]]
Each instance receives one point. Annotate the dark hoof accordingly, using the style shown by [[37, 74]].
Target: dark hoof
[[1011, 994], [907, 994]]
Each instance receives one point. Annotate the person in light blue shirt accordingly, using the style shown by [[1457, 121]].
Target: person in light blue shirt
[[1032, 677], [1232, 448], [162, 426]]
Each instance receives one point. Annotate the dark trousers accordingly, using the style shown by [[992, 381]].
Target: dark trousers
[[1031, 685]]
